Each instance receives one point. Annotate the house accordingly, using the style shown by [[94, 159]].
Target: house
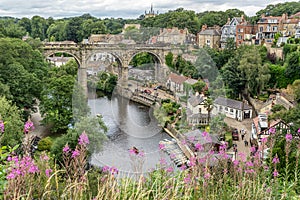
[[262, 128], [245, 31], [267, 27], [172, 36], [58, 60], [175, 83], [297, 30], [105, 38], [277, 99], [209, 37], [288, 25], [234, 109], [196, 113], [229, 30]]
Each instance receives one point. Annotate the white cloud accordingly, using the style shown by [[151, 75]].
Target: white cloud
[[124, 8]]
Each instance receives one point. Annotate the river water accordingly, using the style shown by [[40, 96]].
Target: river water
[[129, 125]]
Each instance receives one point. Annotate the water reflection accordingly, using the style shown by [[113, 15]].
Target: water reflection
[[129, 125]]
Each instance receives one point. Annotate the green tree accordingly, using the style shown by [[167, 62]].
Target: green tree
[[198, 87], [278, 78], [38, 27], [23, 86], [94, 128], [254, 72], [296, 89], [293, 66], [11, 116], [169, 60], [208, 104]]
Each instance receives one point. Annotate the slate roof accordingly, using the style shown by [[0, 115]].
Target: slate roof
[[232, 103], [210, 32], [196, 136], [195, 100]]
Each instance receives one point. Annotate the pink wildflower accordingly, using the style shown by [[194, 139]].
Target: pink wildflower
[[141, 154], [161, 146], [187, 179], [204, 134], [272, 130], [191, 138], [113, 170], [207, 176], [192, 162], [199, 147], [236, 163], [48, 172], [1, 126], [75, 153], [242, 156], [264, 140], [105, 168], [183, 167], [299, 130], [275, 160], [163, 161], [172, 156], [275, 173], [249, 164], [66, 148], [288, 137], [44, 157], [83, 139], [10, 176], [253, 149], [169, 169], [28, 126]]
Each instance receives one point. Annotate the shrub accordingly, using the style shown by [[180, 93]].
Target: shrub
[[45, 144]]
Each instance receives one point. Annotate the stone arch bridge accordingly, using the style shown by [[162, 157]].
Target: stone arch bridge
[[122, 52]]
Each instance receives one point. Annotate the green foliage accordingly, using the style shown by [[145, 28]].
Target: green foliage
[[277, 107], [278, 78], [22, 69], [94, 128], [217, 124], [199, 86], [45, 144], [143, 60], [296, 90], [63, 101], [289, 8], [178, 18], [13, 123], [106, 83], [293, 66], [169, 60]]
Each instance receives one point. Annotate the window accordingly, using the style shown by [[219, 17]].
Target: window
[[274, 28], [231, 110], [208, 42], [261, 29], [226, 109], [240, 30], [240, 37], [220, 108], [199, 110]]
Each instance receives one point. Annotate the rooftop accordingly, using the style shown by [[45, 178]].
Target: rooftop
[[232, 103]]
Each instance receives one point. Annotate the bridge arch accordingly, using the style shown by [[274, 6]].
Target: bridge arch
[[155, 55], [77, 59]]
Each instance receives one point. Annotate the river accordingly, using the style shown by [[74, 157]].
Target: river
[[129, 125]]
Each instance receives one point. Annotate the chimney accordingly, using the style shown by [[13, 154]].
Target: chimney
[[243, 18], [204, 27], [228, 20], [263, 15]]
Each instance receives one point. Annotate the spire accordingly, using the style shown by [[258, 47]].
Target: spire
[[151, 10]]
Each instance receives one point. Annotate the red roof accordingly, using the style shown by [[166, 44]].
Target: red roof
[[177, 79]]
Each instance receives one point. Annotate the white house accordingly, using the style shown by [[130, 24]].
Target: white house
[[175, 82], [232, 108], [196, 113]]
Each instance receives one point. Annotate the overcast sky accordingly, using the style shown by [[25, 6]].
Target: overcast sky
[[121, 8]]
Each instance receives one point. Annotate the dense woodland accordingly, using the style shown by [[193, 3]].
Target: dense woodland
[[78, 28]]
